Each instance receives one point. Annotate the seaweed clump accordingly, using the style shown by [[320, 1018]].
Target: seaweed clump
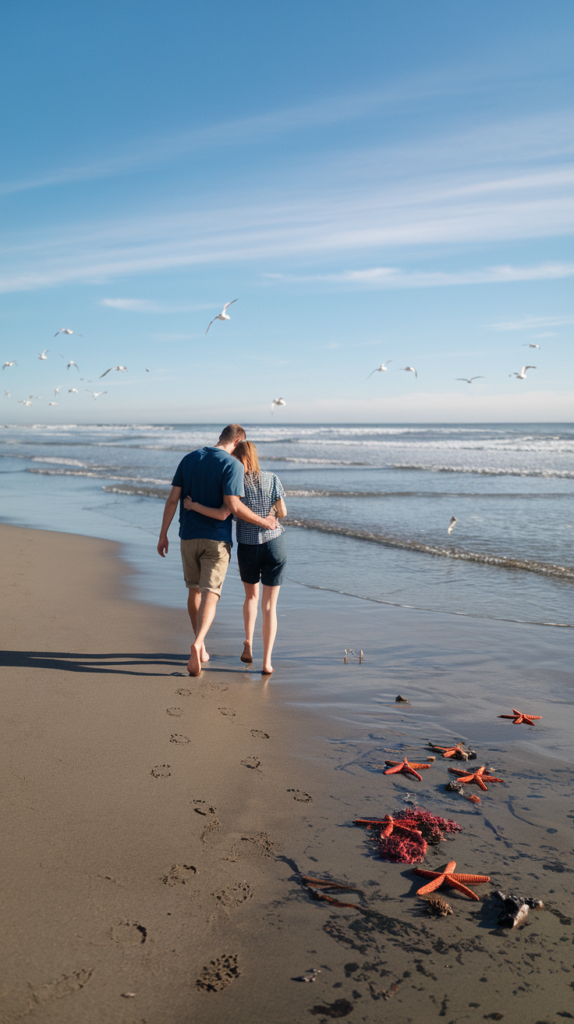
[[403, 837]]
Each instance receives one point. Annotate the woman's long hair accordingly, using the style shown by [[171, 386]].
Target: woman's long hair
[[246, 452]]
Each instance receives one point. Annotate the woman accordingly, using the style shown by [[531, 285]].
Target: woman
[[261, 554]]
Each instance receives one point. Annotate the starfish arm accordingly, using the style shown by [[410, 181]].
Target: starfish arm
[[477, 779], [410, 771], [393, 771], [461, 888], [507, 716], [414, 764], [389, 826], [472, 879], [463, 775], [425, 873], [431, 886]]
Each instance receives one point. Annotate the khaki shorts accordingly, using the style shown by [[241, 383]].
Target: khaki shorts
[[205, 563]]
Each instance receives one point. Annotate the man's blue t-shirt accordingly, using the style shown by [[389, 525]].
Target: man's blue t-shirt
[[206, 475]]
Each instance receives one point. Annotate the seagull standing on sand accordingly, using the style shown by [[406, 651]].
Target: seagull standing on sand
[[453, 522], [277, 401], [72, 363], [469, 380], [96, 394], [43, 354], [66, 330], [13, 363], [379, 369], [122, 369], [522, 374], [223, 315], [409, 369]]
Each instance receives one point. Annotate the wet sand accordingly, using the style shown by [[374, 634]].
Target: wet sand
[[157, 827]]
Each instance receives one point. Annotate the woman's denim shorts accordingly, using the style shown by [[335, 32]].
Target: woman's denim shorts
[[265, 562]]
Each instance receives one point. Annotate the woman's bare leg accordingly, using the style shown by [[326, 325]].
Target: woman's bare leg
[[250, 606], [269, 609]]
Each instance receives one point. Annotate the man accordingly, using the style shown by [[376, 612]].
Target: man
[[211, 476]]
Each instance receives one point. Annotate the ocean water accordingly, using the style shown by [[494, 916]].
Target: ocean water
[[369, 506]]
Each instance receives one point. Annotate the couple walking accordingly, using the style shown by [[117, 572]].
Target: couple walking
[[210, 486]]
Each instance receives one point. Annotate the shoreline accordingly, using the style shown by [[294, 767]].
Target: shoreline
[[118, 880]]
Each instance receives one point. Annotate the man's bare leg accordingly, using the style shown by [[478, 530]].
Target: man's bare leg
[[250, 606], [193, 601], [205, 616]]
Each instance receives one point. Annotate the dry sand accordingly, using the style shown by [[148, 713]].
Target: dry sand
[[156, 827]]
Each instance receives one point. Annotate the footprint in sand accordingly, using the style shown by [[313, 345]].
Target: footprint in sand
[[202, 807], [183, 693], [179, 874], [259, 735], [174, 712], [227, 711], [129, 933], [303, 798], [64, 986], [176, 737], [212, 826], [234, 895], [219, 973], [251, 762], [161, 771]]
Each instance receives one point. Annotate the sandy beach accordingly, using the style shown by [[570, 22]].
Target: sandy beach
[[157, 827]]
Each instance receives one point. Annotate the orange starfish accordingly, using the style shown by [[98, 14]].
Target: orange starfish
[[388, 825], [447, 751], [520, 718], [478, 777], [405, 768], [447, 877]]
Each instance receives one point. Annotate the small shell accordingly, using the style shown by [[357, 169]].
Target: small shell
[[437, 907]]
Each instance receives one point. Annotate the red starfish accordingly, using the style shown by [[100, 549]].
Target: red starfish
[[447, 751], [478, 776], [388, 825], [448, 877], [405, 768], [520, 718]]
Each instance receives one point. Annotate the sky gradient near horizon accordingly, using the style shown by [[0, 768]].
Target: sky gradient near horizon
[[371, 182]]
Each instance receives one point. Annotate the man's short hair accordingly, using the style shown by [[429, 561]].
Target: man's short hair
[[233, 432]]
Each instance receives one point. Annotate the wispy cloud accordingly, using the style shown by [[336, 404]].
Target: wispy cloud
[[148, 306], [392, 277], [529, 323]]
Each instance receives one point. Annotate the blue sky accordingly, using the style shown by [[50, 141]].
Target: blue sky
[[371, 182]]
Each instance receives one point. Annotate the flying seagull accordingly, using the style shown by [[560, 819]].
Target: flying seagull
[[73, 391], [13, 363], [57, 391], [380, 368], [8, 394], [52, 403], [123, 369], [453, 519], [469, 380], [96, 394], [410, 369], [223, 315], [43, 354], [72, 363], [277, 401], [22, 402], [66, 330], [522, 374], [531, 345]]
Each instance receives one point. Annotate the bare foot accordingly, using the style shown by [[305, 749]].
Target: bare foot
[[247, 655], [267, 670], [194, 663], [204, 655]]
